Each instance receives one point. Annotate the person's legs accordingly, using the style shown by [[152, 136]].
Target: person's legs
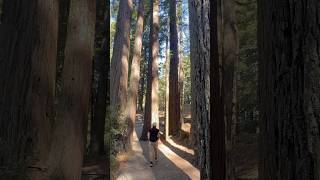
[[151, 153], [155, 149]]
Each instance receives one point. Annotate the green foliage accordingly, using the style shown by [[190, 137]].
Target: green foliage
[[187, 80]]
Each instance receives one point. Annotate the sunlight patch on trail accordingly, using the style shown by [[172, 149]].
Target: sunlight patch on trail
[[183, 164]]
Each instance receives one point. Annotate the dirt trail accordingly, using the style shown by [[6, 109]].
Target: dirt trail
[[170, 166]]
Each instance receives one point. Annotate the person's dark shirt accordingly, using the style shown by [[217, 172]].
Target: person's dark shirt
[[153, 134]]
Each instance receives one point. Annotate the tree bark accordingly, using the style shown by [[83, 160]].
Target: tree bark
[[119, 61], [28, 38], [97, 131], [151, 105], [289, 91], [181, 59], [174, 93], [67, 147], [199, 54], [167, 69], [217, 92], [135, 73], [142, 83]]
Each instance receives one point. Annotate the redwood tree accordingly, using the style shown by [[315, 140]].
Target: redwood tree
[[72, 112], [217, 99], [289, 91], [151, 104], [135, 72], [199, 55], [174, 93], [28, 38], [119, 61]]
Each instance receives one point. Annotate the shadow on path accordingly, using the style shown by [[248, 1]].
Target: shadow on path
[[170, 165]]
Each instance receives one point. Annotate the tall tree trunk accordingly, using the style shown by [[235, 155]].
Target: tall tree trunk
[[217, 100], [152, 104], [135, 73], [67, 149], [174, 94], [142, 83], [119, 61], [199, 54], [181, 58], [229, 58], [97, 131], [106, 50], [289, 91], [167, 69], [27, 65]]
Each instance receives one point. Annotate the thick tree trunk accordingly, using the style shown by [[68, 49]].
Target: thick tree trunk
[[119, 61], [67, 149], [217, 99], [97, 131], [229, 58], [152, 103], [174, 93], [135, 73], [289, 91], [199, 51], [28, 38]]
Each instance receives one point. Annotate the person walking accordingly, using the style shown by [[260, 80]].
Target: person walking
[[153, 141]]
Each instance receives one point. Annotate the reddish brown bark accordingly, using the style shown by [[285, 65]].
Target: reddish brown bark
[[151, 105], [72, 112], [135, 73]]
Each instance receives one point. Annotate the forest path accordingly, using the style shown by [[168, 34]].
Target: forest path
[[170, 165]]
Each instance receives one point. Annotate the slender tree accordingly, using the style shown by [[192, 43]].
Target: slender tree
[[289, 91], [151, 104], [135, 73], [174, 93], [72, 112], [199, 54], [119, 61], [167, 69], [28, 38]]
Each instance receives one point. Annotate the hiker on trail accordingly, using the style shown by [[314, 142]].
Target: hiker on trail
[[153, 138]]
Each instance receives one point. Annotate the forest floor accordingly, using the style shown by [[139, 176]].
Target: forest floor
[[173, 161]]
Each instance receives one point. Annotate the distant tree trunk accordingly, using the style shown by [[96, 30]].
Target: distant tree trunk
[[119, 61], [217, 100], [229, 58], [72, 112], [135, 73], [142, 83], [181, 59], [167, 69], [96, 146], [289, 91], [199, 54], [151, 105], [28, 44], [174, 94], [106, 49]]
